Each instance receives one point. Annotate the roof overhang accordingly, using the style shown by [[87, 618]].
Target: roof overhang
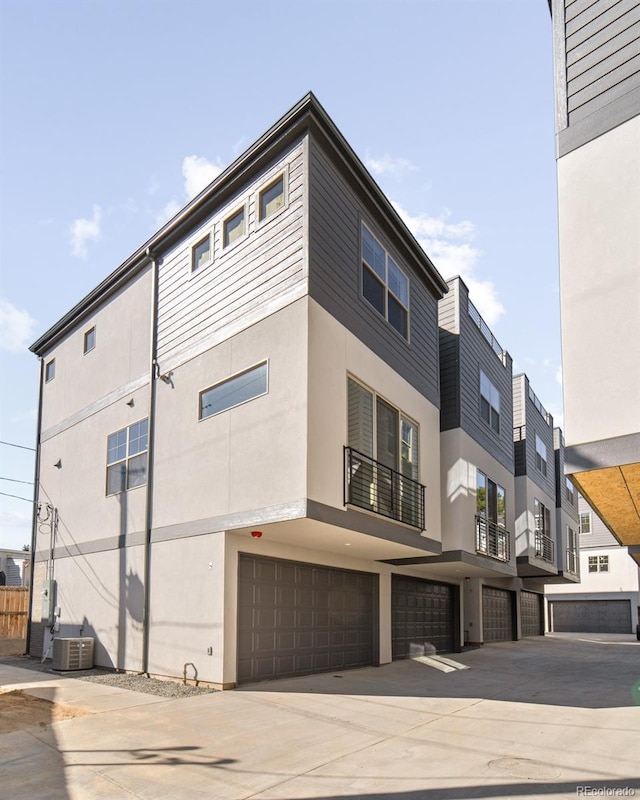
[[607, 474]]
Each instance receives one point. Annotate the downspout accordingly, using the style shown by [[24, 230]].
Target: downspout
[[34, 519], [153, 376]]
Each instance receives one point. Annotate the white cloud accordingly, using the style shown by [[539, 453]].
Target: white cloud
[[170, 210], [388, 165], [198, 172], [83, 231], [16, 327], [448, 245]]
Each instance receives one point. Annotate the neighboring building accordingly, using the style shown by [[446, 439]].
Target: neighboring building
[[607, 599], [14, 568], [597, 86], [567, 519], [239, 447]]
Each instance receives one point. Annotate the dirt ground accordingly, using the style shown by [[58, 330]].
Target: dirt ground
[[19, 711], [12, 647]]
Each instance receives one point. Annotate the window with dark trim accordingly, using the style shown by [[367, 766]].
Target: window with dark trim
[[127, 457], [201, 253], [234, 228], [489, 403], [89, 340], [50, 370], [271, 198], [541, 456], [384, 285], [571, 492]]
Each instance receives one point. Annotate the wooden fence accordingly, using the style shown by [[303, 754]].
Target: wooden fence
[[14, 601]]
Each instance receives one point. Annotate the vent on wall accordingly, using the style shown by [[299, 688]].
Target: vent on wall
[[70, 654]]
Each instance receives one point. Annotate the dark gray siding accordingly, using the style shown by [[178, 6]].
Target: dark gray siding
[[597, 53], [562, 499], [449, 362], [476, 354], [525, 439], [335, 215]]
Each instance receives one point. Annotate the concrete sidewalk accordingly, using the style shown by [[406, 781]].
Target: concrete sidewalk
[[540, 717]]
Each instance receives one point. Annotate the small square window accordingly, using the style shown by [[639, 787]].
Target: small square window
[[234, 227], [272, 198], [50, 370], [89, 340], [201, 254]]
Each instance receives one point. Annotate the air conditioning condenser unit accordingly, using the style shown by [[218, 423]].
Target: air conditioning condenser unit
[[70, 654]]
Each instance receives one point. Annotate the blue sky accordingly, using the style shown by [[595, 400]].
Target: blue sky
[[115, 112]]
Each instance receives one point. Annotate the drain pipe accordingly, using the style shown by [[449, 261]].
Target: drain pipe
[[153, 376], [34, 509]]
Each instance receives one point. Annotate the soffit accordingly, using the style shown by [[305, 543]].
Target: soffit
[[614, 494]]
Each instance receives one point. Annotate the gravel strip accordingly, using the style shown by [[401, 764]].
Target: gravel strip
[[121, 680]]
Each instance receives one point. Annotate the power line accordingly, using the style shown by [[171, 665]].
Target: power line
[[14, 480], [5, 494], [21, 446]]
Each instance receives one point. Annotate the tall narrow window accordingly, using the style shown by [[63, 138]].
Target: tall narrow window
[[571, 494], [541, 456], [384, 284], [234, 228], [585, 523], [201, 253], [89, 340], [50, 370], [489, 403]]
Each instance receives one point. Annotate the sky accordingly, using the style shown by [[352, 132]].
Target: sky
[[114, 113]]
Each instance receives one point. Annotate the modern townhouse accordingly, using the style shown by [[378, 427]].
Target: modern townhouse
[[597, 93], [607, 599], [567, 518], [239, 434]]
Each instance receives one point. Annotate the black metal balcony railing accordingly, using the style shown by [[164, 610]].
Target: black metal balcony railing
[[544, 547], [572, 561], [492, 540], [373, 486]]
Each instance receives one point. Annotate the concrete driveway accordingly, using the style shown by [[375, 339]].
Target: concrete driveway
[[553, 716]]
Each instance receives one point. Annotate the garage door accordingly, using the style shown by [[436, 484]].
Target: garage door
[[531, 613], [591, 616], [497, 614], [422, 617], [295, 619]]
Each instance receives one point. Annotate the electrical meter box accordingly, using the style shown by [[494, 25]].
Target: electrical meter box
[[48, 599]]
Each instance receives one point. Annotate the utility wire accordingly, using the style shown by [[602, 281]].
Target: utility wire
[[14, 480], [21, 446], [5, 494]]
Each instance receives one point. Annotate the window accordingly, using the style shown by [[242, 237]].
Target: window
[[234, 228], [271, 199], [384, 284], [489, 403], [201, 253], [127, 457], [389, 442], [598, 563], [585, 523], [234, 391], [89, 340], [50, 370], [541, 456], [571, 494], [490, 500], [542, 517]]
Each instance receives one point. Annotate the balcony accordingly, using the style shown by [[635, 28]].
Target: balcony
[[492, 540], [375, 487], [544, 547]]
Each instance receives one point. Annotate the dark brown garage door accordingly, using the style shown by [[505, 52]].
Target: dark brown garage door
[[591, 616], [295, 619], [497, 614], [531, 612], [422, 617]]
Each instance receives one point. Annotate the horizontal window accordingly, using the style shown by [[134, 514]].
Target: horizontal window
[[271, 198], [598, 563], [234, 391], [89, 340], [50, 370], [127, 457], [233, 228]]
